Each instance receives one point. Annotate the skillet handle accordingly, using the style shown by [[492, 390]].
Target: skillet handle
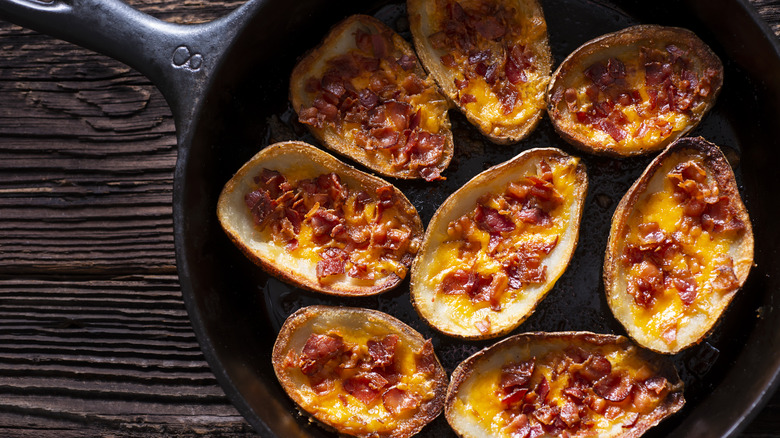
[[179, 59]]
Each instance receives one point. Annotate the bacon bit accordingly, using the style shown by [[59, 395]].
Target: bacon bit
[[631, 419], [318, 350], [725, 279], [546, 414], [425, 361], [365, 386], [483, 325], [448, 60], [383, 352], [670, 334], [333, 262], [570, 96], [519, 427], [507, 95], [686, 287], [259, 203], [322, 385], [458, 282], [570, 414], [467, 98], [398, 401], [490, 220], [656, 384], [595, 367], [516, 374], [613, 387], [542, 389]]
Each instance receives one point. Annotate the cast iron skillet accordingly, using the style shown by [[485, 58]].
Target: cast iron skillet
[[226, 83]]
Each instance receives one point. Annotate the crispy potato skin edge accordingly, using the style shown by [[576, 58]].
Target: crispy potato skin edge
[[724, 176], [445, 211], [309, 153], [631, 35], [335, 142], [673, 403], [505, 136], [428, 411]]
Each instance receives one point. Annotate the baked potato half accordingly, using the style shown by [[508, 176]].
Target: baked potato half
[[363, 93], [498, 244], [634, 91], [360, 372], [572, 384], [319, 224], [680, 247], [490, 57]]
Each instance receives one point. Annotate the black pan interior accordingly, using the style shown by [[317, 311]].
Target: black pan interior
[[237, 309]]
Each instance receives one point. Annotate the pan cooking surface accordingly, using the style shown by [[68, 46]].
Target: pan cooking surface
[[243, 308]]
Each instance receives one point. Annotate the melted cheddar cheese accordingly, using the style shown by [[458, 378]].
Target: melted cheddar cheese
[[702, 254], [450, 257], [634, 114], [478, 93], [351, 415], [367, 262], [559, 399]]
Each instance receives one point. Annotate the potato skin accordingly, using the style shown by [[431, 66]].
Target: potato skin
[[742, 252], [294, 155], [518, 347], [464, 199], [337, 42], [497, 132], [627, 43], [344, 318]]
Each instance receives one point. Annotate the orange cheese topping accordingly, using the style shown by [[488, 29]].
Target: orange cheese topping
[[346, 233], [373, 95], [676, 250], [366, 380], [637, 100], [498, 249], [567, 390], [492, 50]]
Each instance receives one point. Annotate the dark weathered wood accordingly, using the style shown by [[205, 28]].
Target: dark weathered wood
[[94, 338]]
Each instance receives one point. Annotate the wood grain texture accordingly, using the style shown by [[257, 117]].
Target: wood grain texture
[[94, 338]]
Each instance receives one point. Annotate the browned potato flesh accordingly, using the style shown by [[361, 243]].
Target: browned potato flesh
[[491, 58], [680, 247], [315, 222], [575, 384], [498, 244], [360, 372], [634, 91], [363, 93]]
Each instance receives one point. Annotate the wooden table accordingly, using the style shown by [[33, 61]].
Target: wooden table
[[94, 337]]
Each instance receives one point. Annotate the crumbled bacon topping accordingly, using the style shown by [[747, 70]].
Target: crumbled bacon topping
[[528, 201], [321, 204], [588, 385], [670, 83], [369, 373], [652, 257], [480, 40], [380, 115]]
